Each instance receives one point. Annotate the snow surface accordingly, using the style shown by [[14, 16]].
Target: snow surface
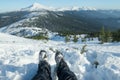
[[19, 58]]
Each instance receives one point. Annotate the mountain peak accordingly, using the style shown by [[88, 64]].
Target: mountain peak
[[35, 4], [35, 7], [88, 8]]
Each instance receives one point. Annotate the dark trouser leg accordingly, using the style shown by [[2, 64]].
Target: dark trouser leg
[[64, 73], [44, 71]]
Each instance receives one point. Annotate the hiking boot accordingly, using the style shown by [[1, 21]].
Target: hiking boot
[[42, 55], [58, 57]]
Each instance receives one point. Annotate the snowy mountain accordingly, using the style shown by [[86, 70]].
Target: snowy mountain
[[75, 8], [19, 58], [39, 7], [37, 19], [24, 28], [36, 7]]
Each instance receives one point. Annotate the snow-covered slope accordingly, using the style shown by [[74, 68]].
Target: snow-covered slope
[[36, 7], [19, 29], [19, 58]]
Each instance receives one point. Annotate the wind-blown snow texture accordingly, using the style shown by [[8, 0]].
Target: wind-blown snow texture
[[19, 58]]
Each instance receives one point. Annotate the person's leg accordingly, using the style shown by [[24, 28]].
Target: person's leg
[[63, 71], [44, 70]]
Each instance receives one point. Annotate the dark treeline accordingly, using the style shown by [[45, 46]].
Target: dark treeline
[[103, 35], [116, 35]]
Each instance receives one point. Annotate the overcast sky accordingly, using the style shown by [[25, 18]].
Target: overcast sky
[[11, 5]]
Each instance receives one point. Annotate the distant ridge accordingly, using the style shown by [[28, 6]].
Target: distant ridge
[[37, 19], [38, 7]]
